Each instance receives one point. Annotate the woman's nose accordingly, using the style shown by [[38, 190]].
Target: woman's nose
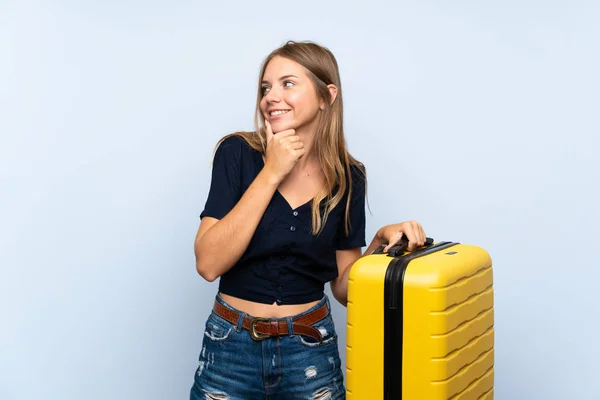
[[272, 96]]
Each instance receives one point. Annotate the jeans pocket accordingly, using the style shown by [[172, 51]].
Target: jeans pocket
[[217, 329], [327, 328]]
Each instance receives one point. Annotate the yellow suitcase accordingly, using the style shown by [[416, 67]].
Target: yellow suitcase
[[420, 325]]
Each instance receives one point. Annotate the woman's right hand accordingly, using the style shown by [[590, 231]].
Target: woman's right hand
[[284, 149]]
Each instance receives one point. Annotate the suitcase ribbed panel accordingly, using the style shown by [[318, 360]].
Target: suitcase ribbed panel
[[460, 382], [442, 345], [449, 300], [453, 362], [489, 395], [458, 292], [482, 388], [450, 319]]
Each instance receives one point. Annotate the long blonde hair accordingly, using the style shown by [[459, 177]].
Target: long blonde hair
[[329, 145]]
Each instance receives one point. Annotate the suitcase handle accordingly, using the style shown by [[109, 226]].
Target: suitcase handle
[[399, 248]]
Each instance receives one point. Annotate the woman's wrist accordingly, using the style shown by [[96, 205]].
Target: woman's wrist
[[270, 177]]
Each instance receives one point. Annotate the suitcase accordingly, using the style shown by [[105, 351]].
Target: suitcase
[[420, 325]]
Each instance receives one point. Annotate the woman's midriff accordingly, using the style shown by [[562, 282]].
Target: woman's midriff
[[266, 310]]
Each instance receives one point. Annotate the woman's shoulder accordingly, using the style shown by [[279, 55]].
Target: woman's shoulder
[[232, 140], [355, 179], [236, 144], [240, 140], [358, 172]]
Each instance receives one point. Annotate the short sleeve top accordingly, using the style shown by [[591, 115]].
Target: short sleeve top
[[284, 262]]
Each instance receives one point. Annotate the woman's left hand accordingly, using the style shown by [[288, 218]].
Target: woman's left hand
[[391, 234]]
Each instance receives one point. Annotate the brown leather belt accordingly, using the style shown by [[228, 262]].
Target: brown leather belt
[[263, 328]]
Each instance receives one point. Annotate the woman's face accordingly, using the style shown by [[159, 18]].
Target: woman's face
[[289, 100]]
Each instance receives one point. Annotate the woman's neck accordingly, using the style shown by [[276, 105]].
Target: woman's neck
[[307, 135]]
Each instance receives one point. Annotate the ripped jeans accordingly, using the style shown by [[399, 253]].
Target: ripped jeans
[[232, 366]]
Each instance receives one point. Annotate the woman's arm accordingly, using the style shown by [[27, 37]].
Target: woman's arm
[[220, 243], [345, 259]]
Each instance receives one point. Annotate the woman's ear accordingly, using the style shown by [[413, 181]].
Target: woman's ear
[[333, 90]]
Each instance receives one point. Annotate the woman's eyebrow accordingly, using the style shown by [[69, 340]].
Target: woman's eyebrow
[[282, 78]]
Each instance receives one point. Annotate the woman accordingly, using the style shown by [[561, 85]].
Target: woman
[[285, 214]]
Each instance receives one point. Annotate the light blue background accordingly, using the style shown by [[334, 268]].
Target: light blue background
[[480, 119]]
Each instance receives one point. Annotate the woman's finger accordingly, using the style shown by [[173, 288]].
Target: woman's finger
[[297, 145], [413, 239], [268, 131], [420, 234], [423, 235], [292, 139], [393, 241]]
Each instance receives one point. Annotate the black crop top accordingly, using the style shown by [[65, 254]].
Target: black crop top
[[284, 262]]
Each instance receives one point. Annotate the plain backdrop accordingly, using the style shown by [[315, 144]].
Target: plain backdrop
[[480, 119]]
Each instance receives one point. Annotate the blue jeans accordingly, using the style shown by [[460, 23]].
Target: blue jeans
[[233, 366]]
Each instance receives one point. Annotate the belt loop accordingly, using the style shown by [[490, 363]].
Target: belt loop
[[239, 326], [290, 326]]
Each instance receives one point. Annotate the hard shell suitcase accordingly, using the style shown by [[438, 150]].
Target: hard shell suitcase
[[420, 325]]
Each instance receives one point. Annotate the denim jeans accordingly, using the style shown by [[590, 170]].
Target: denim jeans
[[233, 366]]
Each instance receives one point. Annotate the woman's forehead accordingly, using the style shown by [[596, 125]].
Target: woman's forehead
[[280, 67]]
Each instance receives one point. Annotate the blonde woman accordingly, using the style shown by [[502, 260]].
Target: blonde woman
[[285, 215]]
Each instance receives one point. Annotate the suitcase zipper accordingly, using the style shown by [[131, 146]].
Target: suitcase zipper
[[395, 281], [393, 319]]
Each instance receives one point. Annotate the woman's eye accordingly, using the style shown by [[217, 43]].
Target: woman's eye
[[265, 89], [288, 83]]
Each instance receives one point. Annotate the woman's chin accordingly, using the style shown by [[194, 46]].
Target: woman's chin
[[280, 127]]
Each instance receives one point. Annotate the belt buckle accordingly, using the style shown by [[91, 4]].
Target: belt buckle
[[256, 335]]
